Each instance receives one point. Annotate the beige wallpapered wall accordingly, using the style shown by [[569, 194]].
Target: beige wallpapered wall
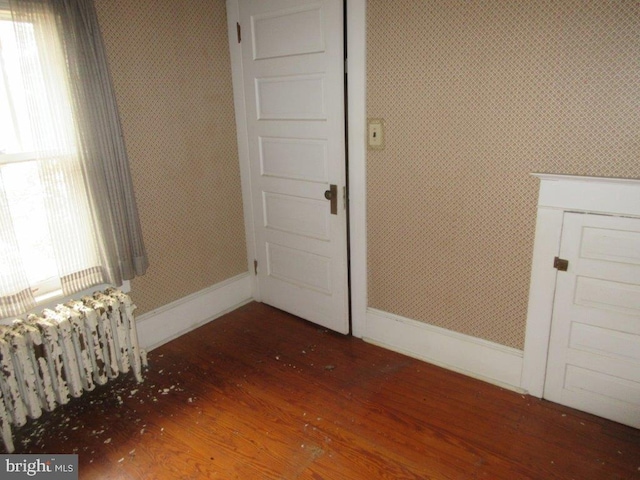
[[171, 70], [475, 96]]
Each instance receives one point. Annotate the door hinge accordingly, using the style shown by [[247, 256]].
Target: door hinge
[[255, 267], [560, 264], [239, 30]]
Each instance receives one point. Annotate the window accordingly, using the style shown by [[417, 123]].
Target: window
[[68, 219], [18, 170]]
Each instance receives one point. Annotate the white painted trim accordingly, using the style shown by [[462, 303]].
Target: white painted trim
[[160, 326], [237, 76], [558, 194], [617, 196], [481, 359], [356, 124], [541, 292]]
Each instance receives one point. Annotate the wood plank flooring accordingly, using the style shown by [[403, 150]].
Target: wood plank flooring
[[260, 394]]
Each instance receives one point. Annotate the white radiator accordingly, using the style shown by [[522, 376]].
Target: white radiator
[[49, 358]]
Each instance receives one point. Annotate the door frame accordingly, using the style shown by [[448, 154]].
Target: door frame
[[559, 194], [355, 19]]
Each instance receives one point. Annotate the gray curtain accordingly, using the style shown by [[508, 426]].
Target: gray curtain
[[101, 141]]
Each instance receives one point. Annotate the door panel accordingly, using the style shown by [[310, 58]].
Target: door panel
[[300, 267], [294, 158], [594, 350], [293, 70], [296, 215], [297, 97], [292, 31], [611, 245]]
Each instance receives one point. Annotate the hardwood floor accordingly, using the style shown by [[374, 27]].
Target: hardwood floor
[[260, 394]]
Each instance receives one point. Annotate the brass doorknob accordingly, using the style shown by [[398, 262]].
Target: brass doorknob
[[332, 194]]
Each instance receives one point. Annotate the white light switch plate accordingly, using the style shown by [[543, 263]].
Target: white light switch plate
[[375, 134]]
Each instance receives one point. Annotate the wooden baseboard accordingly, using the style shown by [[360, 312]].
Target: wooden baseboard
[[160, 326], [481, 359]]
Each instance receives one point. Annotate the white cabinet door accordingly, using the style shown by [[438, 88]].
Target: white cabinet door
[[594, 350], [293, 74]]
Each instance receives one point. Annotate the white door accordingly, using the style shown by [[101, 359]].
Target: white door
[[293, 74], [594, 350]]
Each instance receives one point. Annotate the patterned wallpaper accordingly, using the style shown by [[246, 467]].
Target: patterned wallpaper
[[475, 96], [171, 69]]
